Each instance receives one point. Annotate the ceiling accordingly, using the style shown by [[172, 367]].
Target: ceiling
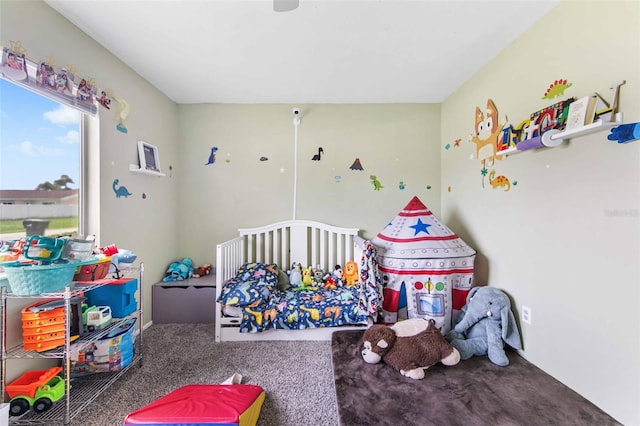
[[325, 51]]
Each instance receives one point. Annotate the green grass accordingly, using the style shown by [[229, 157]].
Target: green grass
[[13, 226]]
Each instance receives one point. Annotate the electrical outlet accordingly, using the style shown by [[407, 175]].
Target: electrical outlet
[[526, 314]]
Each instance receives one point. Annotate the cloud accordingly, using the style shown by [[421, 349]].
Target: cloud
[[72, 137], [31, 150], [63, 116]]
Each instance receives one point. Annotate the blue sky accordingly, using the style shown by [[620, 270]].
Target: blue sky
[[39, 139]]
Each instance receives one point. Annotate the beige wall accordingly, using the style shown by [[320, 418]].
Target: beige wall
[[395, 142], [147, 226], [564, 241]]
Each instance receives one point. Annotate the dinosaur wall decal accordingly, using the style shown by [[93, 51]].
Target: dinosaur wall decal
[[212, 156], [377, 186], [499, 181], [121, 191], [318, 155]]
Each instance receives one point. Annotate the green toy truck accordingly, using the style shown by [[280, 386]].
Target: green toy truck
[[37, 388]]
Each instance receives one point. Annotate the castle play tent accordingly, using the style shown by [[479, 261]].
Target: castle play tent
[[426, 269]]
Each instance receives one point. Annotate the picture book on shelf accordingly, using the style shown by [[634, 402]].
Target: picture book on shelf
[[581, 111]]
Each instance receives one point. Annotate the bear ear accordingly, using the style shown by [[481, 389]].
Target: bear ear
[[382, 344]]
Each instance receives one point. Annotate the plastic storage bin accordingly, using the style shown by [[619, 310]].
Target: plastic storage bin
[[113, 352], [42, 330], [4, 414], [119, 295]]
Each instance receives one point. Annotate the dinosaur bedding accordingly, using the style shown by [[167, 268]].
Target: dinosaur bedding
[[261, 294]]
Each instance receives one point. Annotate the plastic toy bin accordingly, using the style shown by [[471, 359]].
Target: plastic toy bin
[[119, 295], [4, 414]]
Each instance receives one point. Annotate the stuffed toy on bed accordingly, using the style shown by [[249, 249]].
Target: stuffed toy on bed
[[350, 273], [333, 280], [409, 346], [307, 277], [295, 274], [485, 325]]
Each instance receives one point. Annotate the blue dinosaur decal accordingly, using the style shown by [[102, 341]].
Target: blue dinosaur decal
[[121, 191]]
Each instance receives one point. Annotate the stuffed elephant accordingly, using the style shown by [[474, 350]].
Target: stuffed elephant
[[486, 323]]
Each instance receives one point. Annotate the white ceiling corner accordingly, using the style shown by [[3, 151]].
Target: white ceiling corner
[[359, 51]]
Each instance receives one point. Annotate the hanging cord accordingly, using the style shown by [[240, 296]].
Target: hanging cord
[[296, 123]]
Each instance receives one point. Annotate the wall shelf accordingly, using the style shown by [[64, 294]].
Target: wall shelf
[[137, 169], [589, 128], [559, 137]]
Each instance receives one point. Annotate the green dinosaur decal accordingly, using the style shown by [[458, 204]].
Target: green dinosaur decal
[[377, 186], [556, 89]]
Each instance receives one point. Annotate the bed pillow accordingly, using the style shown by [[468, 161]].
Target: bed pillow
[[283, 279], [254, 282], [245, 293], [258, 271]]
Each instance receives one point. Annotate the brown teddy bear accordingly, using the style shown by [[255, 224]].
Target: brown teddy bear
[[409, 346]]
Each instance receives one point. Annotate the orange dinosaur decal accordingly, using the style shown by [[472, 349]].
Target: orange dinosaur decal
[[497, 182]]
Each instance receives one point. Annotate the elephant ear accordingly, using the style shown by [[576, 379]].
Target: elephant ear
[[510, 332], [470, 295]]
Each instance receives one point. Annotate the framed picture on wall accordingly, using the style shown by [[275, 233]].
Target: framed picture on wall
[[14, 65], [148, 156]]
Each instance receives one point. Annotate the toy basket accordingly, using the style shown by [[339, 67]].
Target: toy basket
[[31, 279], [93, 271]]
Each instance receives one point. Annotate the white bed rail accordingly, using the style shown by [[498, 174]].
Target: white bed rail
[[228, 257], [308, 242]]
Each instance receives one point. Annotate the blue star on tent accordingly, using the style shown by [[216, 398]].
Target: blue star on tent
[[420, 226]]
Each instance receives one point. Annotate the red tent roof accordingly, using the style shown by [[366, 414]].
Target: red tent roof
[[415, 233]]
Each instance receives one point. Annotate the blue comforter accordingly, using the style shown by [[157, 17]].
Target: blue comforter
[[301, 309], [265, 306]]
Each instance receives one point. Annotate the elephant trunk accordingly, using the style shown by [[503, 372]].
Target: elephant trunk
[[468, 321]]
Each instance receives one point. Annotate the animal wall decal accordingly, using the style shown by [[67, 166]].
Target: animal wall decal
[[121, 191], [377, 186], [556, 89], [500, 181], [317, 157], [212, 156], [486, 133]]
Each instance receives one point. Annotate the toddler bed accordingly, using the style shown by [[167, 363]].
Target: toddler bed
[[255, 300]]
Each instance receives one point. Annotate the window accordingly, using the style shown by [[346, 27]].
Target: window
[[40, 164]]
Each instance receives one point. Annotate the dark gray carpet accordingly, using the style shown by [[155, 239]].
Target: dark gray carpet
[[474, 392], [296, 376]]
